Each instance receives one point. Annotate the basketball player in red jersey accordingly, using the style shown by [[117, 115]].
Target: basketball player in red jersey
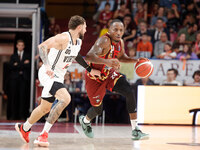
[[106, 55]]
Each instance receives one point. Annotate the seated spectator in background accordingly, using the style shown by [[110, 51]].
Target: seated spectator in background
[[159, 28], [159, 45], [170, 3], [129, 28], [132, 52], [189, 31], [104, 17], [173, 21], [197, 45], [186, 53], [53, 27], [142, 28], [105, 30], [141, 13], [171, 78], [100, 6], [189, 15], [196, 77], [160, 14], [178, 45], [154, 10], [168, 53], [144, 47], [121, 12]]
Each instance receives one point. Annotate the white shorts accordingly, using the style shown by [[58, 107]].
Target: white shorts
[[47, 82]]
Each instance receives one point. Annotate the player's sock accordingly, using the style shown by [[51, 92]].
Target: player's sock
[[134, 123], [46, 128], [85, 120], [27, 126]]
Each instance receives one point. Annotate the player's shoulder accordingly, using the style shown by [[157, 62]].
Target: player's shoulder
[[62, 38], [105, 40]]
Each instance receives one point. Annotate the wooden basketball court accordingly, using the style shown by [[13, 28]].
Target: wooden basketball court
[[69, 136]]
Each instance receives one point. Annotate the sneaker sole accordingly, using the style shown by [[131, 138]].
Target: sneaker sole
[[142, 138], [42, 144], [17, 129]]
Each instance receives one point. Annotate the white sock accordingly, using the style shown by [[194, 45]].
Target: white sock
[[85, 120], [46, 128], [134, 123], [27, 126]]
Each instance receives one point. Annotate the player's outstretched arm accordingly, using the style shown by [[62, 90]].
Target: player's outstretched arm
[[123, 57]]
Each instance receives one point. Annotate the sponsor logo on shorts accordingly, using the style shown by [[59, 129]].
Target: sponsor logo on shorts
[[98, 100], [114, 75], [96, 96]]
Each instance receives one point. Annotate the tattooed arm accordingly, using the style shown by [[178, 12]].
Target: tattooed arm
[[58, 42]]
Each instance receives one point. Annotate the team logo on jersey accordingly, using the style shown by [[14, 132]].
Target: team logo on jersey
[[68, 58], [98, 100], [68, 51]]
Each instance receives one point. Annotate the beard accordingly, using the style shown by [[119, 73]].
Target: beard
[[81, 36]]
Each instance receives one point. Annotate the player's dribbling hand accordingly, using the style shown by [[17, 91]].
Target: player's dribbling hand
[[49, 72], [114, 63], [95, 73]]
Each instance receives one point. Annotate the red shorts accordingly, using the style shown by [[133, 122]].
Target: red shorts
[[96, 90]]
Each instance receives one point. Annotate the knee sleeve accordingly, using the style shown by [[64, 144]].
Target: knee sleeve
[[124, 88], [94, 111]]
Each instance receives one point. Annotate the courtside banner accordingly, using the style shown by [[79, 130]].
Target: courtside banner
[[185, 69], [167, 104]]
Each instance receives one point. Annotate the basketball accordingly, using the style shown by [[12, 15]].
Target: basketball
[[144, 68]]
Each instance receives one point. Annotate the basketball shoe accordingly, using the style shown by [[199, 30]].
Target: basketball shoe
[[137, 134], [42, 140], [87, 129], [23, 134]]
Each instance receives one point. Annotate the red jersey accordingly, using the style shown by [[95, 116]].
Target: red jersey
[[114, 50]]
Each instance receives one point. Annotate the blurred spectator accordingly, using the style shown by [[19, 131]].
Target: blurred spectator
[[170, 3], [160, 14], [121, 12], [154, 10], [189, 31], [104, 17], [186, 53], [144, 47], [19, 84], [132, 52], [141, 13], [171, 78], [142, 28], [168, 53], [196, 79], [129, 28], [178, 46], [53, 27], [173, 21], [159, 45], [105, 30], [197, 45], [188, 16], [159, 28], [100, 6]]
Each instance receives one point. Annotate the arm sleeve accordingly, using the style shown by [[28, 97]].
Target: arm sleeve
[[82, 62]]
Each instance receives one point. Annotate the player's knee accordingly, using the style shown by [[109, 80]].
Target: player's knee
[[67, 100], [46, 110]]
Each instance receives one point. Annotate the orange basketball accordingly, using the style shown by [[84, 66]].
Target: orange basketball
[[144, 68]]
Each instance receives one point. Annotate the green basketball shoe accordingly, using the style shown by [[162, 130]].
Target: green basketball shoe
[[87, 129], [137, 134]]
